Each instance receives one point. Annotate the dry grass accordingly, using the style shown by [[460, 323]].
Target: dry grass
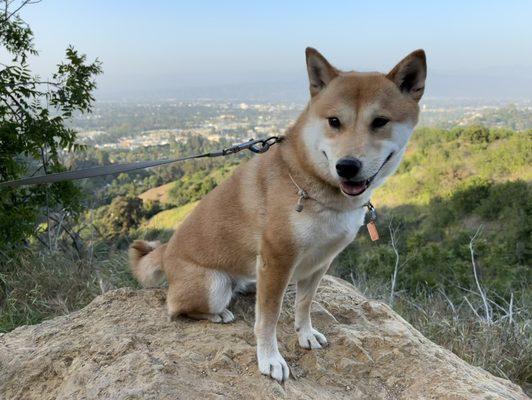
[[502, 347], [37, 287]]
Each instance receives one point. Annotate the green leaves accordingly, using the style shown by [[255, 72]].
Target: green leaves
[[77, 83], [33, 135], [16, 37]]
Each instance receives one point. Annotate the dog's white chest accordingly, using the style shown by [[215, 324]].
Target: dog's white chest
[[321, 236]]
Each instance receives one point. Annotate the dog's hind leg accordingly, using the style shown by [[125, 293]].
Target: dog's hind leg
[[308, 337], [219, 295], [200, 293], [224, 317]]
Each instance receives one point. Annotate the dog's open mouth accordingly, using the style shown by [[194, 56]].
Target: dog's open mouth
[[356, 188]]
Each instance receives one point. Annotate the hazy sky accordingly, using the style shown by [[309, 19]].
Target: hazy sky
[[153, 45]]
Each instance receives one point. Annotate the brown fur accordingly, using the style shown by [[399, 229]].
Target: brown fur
[[242, 227], [146, 261]]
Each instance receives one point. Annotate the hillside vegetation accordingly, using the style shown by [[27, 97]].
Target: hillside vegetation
[[159, 193], [169, 219]]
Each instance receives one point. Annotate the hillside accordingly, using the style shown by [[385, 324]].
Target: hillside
[[439, 163], [159, 193], [123, 346], [169, 219]]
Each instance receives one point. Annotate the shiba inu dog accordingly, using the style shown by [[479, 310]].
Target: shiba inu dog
[[284, 216]]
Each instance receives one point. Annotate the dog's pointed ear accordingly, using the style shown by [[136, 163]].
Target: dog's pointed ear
[[410, 74], [320, 72]]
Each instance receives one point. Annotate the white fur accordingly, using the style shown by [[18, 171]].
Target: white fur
[[271, 362], [244, 285], [310, 338], [321, 236], [220, 291], [316, 145], [222, 318], [401, 133]]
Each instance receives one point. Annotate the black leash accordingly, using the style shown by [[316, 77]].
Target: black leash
[[256, 146]]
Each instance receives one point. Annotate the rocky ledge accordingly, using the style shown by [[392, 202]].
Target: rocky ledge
[[121, 346]]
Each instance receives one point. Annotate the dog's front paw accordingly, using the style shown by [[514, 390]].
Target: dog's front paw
[[273, 365], [311, 339]]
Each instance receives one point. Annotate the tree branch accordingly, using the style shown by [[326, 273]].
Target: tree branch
[[23, 4], [479, 287], [393, 243]]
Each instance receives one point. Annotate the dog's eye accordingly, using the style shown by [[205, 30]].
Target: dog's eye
[[334, 122], [379, 122]]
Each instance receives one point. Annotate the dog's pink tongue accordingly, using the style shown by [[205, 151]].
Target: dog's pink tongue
[[353, 188]]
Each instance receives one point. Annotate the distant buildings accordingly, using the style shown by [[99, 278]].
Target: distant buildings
[[232, 121]]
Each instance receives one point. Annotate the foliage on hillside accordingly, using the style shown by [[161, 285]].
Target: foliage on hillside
[[102, 190], [123, 215], [438, 162], [193, 187], [169, 219]]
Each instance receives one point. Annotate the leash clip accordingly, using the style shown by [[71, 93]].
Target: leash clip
[[256, 146], [262, 146], [371, 214]]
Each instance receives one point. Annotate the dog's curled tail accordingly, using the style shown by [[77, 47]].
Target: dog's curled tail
[[146, 262]]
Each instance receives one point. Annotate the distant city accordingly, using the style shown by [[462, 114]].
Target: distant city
[[128, 125]]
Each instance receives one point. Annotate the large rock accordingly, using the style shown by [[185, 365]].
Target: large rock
[[121, 346]]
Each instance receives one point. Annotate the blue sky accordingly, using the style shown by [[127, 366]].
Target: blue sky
[[201, 43]]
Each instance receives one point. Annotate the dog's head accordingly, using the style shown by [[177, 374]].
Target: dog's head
[[357, 124]]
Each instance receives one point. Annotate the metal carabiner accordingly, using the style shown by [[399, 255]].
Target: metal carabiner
[[256, 146], [262, 146]]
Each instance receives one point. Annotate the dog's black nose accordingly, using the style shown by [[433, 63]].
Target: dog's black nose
[[348, 167]]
